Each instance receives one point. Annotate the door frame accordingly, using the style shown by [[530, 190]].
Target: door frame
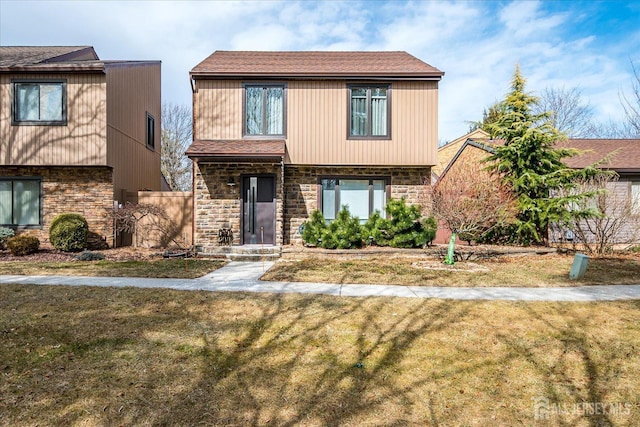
[[275, 205]]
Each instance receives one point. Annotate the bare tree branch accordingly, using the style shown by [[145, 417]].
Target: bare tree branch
[[176, 137], [631, 104], [569, 113]]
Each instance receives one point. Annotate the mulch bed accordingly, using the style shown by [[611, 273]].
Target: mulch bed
[[52, 255]]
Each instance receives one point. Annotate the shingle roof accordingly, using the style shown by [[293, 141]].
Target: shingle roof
[[236, 148], [625, 153], [327, 64], [18, 59], [18, 56]]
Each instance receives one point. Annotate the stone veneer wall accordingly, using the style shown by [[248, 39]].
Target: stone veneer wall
[[84, 190], [301, 190], [218, 205]]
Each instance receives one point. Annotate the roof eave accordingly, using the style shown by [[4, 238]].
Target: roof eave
[[204, 75], [57, 68]]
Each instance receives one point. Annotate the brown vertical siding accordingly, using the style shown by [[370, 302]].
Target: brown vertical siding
[[82, 141], [219, 107], [178, 206], [132, 91], [317, 122]]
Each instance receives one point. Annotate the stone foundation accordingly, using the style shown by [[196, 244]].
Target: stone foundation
[[301, 190], [218, 205], [84, 190]]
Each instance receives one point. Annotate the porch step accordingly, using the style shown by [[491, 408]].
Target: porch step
[[248, 252]]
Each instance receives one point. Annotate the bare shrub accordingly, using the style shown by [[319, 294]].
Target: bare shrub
[[616, 222], [472, 201], [145, 221]]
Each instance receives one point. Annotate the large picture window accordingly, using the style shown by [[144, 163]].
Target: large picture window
[[39, 102], [264, 110], [361, 196], [369, 111], [20, 202]]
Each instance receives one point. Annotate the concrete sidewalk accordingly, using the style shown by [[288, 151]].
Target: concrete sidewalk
[[245, 277]]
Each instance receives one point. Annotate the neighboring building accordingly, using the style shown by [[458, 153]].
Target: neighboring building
[[280, 134], [76, 134], [447, 152], [621, 155]]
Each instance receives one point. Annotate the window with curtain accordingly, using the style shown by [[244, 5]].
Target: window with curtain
[[264, 110], [369, 111], [39, 102], [20, 202], [362, 196]]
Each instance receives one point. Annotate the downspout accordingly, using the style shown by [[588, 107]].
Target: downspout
[[194, 166], [284, 198]]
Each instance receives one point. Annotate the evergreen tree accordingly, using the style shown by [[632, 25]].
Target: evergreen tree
[[532, 164]]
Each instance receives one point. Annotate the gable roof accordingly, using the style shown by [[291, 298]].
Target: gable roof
[[448, 151], [315, 64]]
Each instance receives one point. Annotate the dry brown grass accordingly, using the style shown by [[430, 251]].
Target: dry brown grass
[[515, 271], [158, 268], [97, 356]]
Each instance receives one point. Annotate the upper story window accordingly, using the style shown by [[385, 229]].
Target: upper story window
[[151, 131], [264, 110], [20, 202], [39, 102], [369, 112]]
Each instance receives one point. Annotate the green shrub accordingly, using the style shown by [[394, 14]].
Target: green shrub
[[23, 245], [90, 256], [405, 227], [345, 232], [313, 230], [5, 233], [68, 232]]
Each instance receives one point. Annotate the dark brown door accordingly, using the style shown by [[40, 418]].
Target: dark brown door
[[259, 210]]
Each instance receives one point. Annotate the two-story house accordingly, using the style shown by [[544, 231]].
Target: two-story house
[[280, 134], [76, 134]]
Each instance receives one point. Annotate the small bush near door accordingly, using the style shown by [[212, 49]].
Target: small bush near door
[[68, 232]]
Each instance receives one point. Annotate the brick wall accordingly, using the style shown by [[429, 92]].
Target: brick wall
[[84, 190], [218, 205], [301, 190]]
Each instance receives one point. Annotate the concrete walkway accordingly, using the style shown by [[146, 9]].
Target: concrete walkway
[[244, 277]]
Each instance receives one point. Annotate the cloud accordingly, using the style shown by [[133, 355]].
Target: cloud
[[477, 44]]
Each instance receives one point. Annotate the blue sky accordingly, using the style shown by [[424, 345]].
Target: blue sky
[[584, 44]]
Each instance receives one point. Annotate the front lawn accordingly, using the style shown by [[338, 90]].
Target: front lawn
[[99, 356], [514, 271], [160, 268]]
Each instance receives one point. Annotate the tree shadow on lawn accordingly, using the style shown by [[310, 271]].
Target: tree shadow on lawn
[[134, 357]]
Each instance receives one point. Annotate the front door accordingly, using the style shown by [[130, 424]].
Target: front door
[[259, 210]]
